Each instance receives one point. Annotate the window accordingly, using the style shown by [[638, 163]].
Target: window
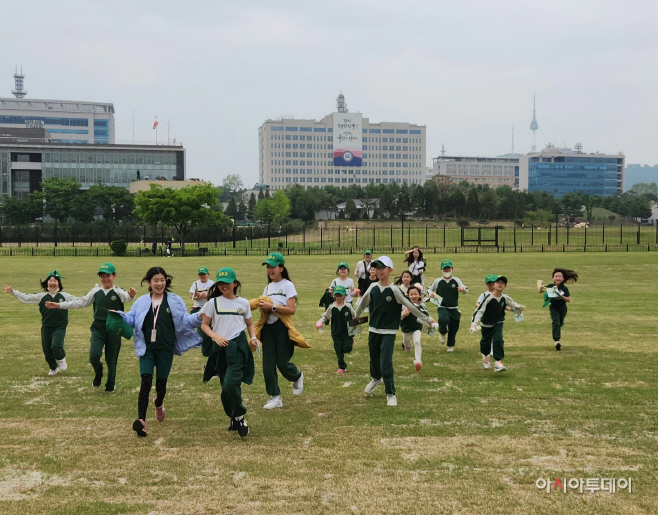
[[291, 129], [276, 128]]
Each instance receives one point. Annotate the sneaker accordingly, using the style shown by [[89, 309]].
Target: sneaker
[[234, 425], [139, 426], [274, 402], [340, 371], [110, 389], [97, 380], [451, 349], [298, 386], [418, 365], [61, 364], [406, 349], [403, 347], [442, 338], [159, 412], [242, 427], [499, 367], [558, 346], [485, 362], [391, 399], [372, 385], [53, 371]]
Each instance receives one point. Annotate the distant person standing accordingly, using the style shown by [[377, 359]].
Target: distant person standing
[[154, 247], [362, 270]]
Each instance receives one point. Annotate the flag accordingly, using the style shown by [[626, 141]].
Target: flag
[[155, 124]]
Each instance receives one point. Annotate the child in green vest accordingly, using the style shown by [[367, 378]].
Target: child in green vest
[[410, 326], [199, 293], [105, 298], [448, 288], [339, 313], [53, 323], [557, 295], [491, 316], [385, 301]]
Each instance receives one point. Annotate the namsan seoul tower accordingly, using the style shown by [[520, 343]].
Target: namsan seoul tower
[[534, 126]]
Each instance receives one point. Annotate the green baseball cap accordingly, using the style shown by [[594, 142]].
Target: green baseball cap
[[202, 270], [491, 278], [343, 263], [116, 325], [340, 290], [225, 275], [367, 252], [500, 278], [55, 273], [446, 263], [107, 268], [274, 259]]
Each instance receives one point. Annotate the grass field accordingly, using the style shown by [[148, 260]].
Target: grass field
[[462, 439]]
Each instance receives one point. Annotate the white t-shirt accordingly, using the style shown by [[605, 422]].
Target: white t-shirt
[[227, 315], [416, 266], [349, 286], [199, 286], [279, 293]]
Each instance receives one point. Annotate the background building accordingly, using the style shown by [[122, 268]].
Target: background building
[[301, 152], [27, 159], [563, 170], [67, 121], [492, 171]]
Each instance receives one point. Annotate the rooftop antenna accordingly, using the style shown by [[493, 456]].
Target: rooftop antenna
[[19, 92], [534, 126], [443, 149], [341, 105], [512, 140]]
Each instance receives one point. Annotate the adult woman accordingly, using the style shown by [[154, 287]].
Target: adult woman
[[362, 270]]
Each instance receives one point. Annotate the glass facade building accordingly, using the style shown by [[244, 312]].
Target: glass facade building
[[24, 166], [560, 171]]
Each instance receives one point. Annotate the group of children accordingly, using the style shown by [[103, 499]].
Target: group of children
[[400, 306], [161, 326]]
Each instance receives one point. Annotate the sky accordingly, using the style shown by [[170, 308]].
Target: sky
[[216, 70]]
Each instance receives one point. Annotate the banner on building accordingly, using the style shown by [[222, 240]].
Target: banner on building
[[348, 150]]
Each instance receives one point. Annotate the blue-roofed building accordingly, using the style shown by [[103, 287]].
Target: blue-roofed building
[[564, 170]]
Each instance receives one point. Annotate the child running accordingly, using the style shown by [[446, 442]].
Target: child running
[[278, 349], [343, 271], [404, 281], [105, 298], [231, 355], [448, 288], [385, 301], [340, 313], [162, 328], [557, 294], [491, 316], [53, 323], [410, 326], [199, 294]]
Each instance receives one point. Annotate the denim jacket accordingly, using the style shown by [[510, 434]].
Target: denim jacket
[[184, 323]]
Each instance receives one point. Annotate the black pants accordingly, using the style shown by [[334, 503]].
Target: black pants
[[557, 321]]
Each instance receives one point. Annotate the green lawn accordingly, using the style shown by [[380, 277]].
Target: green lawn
[[462, 439]]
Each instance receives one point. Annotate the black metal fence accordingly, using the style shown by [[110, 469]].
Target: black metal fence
[[350, 237]]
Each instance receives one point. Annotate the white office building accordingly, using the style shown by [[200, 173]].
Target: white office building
[[302, 152], [492, 171]]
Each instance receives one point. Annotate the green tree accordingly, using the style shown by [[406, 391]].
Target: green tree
[[20, 211], [59, 197], [645, 188], [473, 203], [251, 206], [232, 183], [242, 210], [273, 210], [184, 209], [232, 208], [350, 210], [117, 203], [489, 204]]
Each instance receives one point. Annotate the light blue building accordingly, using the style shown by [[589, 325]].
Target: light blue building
[[563, 170]]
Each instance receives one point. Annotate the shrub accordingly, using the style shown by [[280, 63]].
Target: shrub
[[463, 223], [118, 247]]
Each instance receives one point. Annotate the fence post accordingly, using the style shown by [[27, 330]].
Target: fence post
[[286, 235], [391, 235], [233, 234], [621, 233], [603, 233], [408, 236], [303, 237], [374, 237], [269, 224], [338, 235], [585, 237], [567, 233], [556, 242], [444, 235], [320, 236], [515, 237], [252, 236], [549, 234], [425, 235], [356, 236], [532, 234], [638, 234]]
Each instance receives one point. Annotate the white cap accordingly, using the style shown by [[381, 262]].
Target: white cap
[[385, 260]]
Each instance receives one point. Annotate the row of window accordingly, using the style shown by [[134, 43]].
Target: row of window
[[295, 137], [109, 158], [68, 131], [344, 180], [310, 171], [278, 128], [47, 120]]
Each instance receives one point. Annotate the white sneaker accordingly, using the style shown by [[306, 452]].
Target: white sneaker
[[391, 399], [451, 349], [274, 402], [298, 386], [499, 367], [61, 364], [372, 385], [442, 338], [485, 362], [53, 371]]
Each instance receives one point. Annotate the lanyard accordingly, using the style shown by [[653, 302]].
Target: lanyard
[[156, 312]]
